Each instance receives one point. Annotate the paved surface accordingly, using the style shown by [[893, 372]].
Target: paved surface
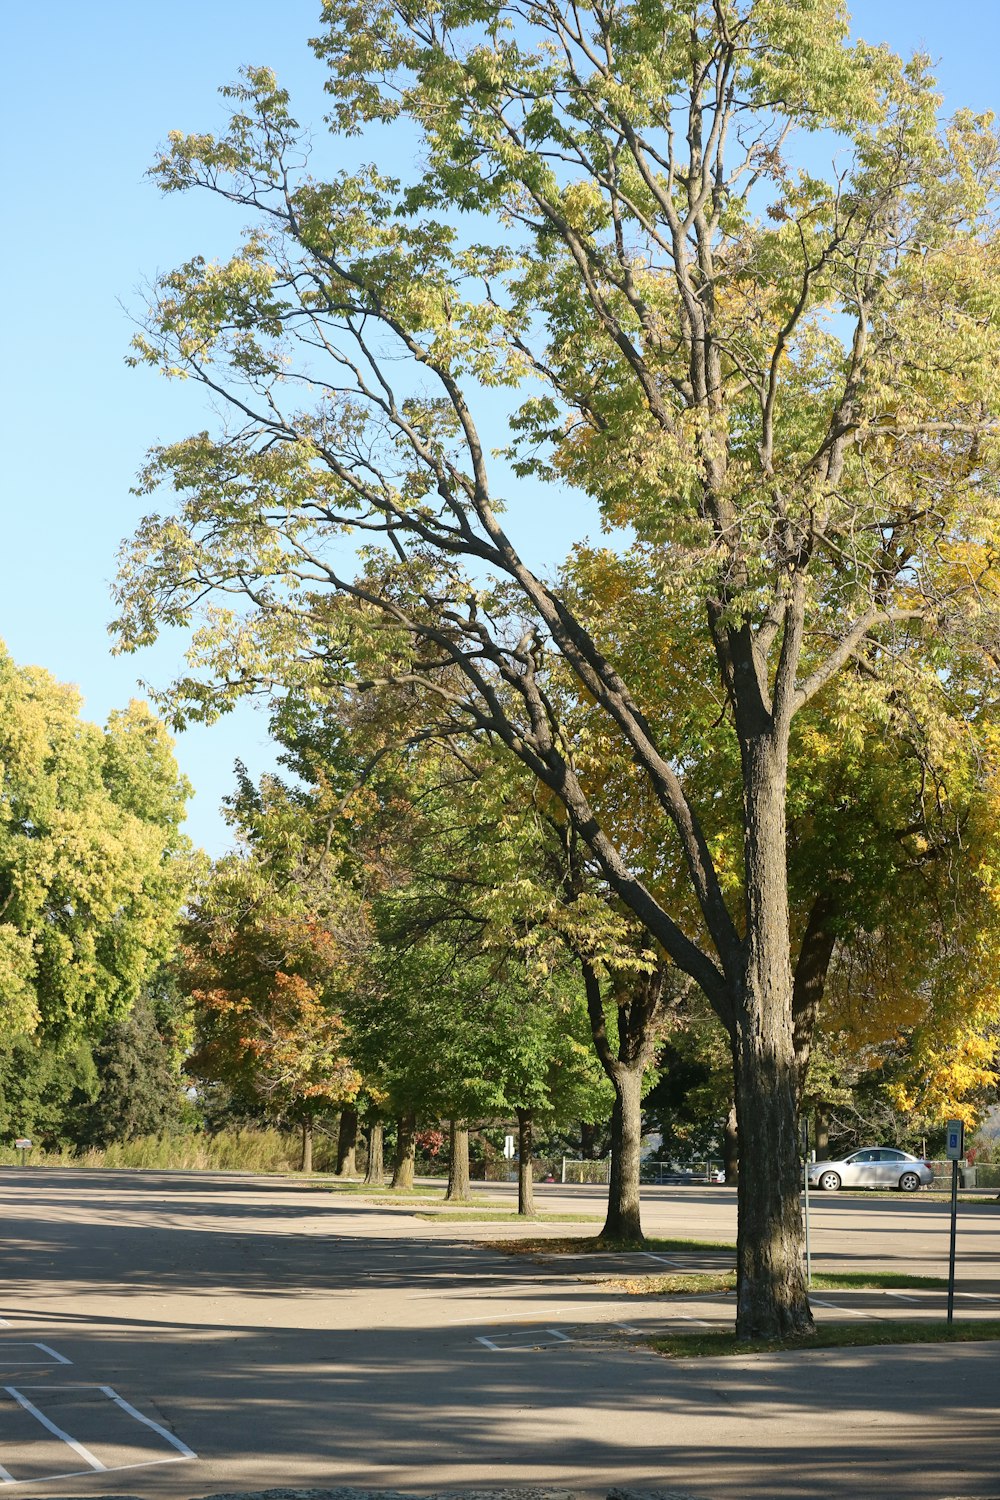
[[178, 1334]]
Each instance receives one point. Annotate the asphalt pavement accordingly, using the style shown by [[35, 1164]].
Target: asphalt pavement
[[178, 1334]]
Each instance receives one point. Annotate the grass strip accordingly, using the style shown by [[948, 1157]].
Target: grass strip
[[827, 1336], [385, 1193], [472, 1215], [584, 1245], [690, 1283]]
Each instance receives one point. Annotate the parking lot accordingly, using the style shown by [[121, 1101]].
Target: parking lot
[[176, 1334]]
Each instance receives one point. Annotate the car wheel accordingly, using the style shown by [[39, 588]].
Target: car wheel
[[909, 1182], [829, 1181]]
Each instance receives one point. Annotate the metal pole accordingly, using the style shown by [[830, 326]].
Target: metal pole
[[951, 1247], [809, 1265]]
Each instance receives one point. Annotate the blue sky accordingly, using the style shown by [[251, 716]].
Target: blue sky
[[89, 93]]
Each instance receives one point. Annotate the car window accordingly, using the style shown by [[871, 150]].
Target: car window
[[865, 1156], [894, 1156]]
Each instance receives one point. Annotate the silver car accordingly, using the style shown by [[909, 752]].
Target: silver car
[[875, 1166]]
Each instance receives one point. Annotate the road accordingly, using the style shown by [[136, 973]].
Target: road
[[176, 1334]]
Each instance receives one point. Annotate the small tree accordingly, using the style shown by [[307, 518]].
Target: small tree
[[266, 975]]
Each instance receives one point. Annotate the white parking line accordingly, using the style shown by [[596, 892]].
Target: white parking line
[[175, 1442], [85, 1454], [554, 1333], [663, 1258], [147, 1463], [853, 1311], [902, 1296], [978, 1296], [61, 1358], [525, 1315]]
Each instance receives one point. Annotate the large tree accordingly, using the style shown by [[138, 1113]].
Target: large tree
[[780, 385]]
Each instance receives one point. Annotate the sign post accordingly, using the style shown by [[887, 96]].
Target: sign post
[[805, 1184], [954, 1151]]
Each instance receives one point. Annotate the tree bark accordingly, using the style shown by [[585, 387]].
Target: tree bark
[[821, 1125], [306, 1161], [771, 1299], [731, 1147], [525, 1178], [375, 1170], [406, 1151], [624, 1217], [458, 1163], [347, 1142], [638, 1012], [588, 1140]]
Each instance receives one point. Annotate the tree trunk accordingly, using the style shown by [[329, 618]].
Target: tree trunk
[[406, 1151], [638, 1013], [821, 1125], [375, 1171], [458, 1163], [624, 1218], [771, 1300], [525, 1178], [588, 1140], [306, 1162], [731, 1147], [347, 1142]]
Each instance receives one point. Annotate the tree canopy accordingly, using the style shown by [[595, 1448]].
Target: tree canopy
[[93, 866]]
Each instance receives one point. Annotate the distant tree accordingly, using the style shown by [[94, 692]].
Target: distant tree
[[266, 960], [93, 867], [45, 1088], [140, 1088]]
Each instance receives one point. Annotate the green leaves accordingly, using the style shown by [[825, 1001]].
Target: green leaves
[[93, 868]]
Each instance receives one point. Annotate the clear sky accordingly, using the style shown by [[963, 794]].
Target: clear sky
[[89, 92]]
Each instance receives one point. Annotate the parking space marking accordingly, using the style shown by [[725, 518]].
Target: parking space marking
[[853, 1311], [663, 1258], [147, 1463], [978, 1296], [531, 1338], [901, 1295], [127, 1406], [182, 1455], [54, 1357], [532, 1335], [510, 1316], [71, 1442]]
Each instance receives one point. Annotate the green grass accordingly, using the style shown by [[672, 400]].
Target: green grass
[[691, 1283], [584, 1245], [829, 1336], [474, 1215], [835, 1281], [383, 1194]]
